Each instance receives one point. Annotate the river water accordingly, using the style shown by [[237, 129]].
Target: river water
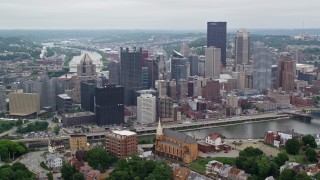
[[258, 129]]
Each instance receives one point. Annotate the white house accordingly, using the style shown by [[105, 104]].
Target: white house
[[55, 145], [215, 140], [53, 161]]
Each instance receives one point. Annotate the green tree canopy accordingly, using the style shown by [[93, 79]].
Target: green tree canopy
[[311, 155], [281, 158], [309, 140], [78, 176], [67, 171], [292, 146], [287, 174], [100, 159]]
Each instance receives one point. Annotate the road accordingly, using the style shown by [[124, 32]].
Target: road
[[32, 161]]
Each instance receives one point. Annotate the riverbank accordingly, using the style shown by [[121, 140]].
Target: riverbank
[[211, 123]]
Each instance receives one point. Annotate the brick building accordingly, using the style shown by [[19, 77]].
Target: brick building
[[122, 143]]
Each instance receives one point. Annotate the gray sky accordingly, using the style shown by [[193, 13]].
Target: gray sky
[[157, 14]]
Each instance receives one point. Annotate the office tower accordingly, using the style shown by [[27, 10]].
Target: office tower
[[211, 91], [78, 142], [249, 81], [178, 66], [146, 109], [144, 56], [242, 41], [3, 103], [109, 106], [131, 72], [286, 73], [153, 71], [190, 88], [162, 87], [201, 65], [144, 78], [194, 63], [182, 89], [86, 70], [87, 95], [185, 50], [114, 72], [64, 103], [165, 108], [24, 104], [160, 59], [145, 91], [78, 119], [262, 62], [172, 89], [240, 79], [217, 37], [212, 63], [122, 143]]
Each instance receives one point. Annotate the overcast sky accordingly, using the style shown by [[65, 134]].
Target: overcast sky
[[157, 14]]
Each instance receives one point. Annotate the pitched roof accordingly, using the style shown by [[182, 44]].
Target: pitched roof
[[86, 59], [214, 136], [179, 136]]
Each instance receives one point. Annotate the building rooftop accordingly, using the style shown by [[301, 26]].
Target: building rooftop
[[64, 96], [78, 114], [179, 136], [124, 132]]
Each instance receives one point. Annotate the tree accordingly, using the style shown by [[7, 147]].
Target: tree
[[309, 140], [263, 166], [56, 130], [50, 175], [119, 175], [19, 122], [251, 152], [287, 174], [311, 154], [281, 158], [303, 176], [292, 146], [78, 176], [99, 158], [67, 172]]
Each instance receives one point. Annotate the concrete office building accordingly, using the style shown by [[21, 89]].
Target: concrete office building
[[201, 65], [87, 95], [131, 72], [178, 66], [182, 89], [211, 91], [114, 72], [242, 42], [286, 73], [172, 89], [162, 87], [213, 62], [77, 119], [3, 103], [145, 91], [262, 62], [64, 103], [109, 104], [165, 109], [24, 104], [240, 78], [122, 143], [78, 142], [217, 37], [146, 109]]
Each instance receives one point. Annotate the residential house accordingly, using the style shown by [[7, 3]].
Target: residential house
[[181, 173], [224, 171], [85, 169], [272, 138], [55, 145], [215, 140], [288, 165], [235, 173], [96, 175], [53, 161]]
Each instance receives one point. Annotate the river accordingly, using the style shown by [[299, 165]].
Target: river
[[258, 129]]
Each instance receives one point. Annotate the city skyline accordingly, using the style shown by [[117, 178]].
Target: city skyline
[[156, 14]]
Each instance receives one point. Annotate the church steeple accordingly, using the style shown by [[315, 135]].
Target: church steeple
[[159, 129]]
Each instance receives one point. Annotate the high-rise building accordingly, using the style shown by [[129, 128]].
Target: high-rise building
[[144, 78], [242, 41], [194, 63], [211, 91], [162, 87], [212, 63], [146, 109], [114, 72], [286, 73], [262, 62], [122, 143], [165, 108], [78, 142], [249, 81], [24, 104], [182, 89], [172, 89], [217, 37], [178, 66], [87, 95], [131, 72], [64, 103], [240, 78], [86, 70], [185, 50], [144, 56], [201, 65], [109, 104], [153, 71], [3, 103]]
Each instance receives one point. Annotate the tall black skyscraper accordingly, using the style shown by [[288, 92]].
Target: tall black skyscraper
[[109, 104], [131, 73], [217, 37], [87, 89]]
